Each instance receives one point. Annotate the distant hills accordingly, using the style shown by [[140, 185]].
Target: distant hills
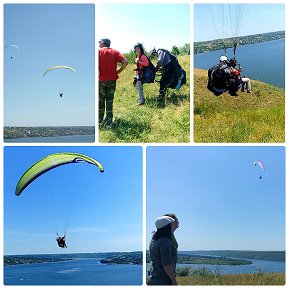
[[217, 44], [221, 257], [257, 255], [12, 132]]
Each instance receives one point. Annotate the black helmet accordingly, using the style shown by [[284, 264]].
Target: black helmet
[[139, 45]]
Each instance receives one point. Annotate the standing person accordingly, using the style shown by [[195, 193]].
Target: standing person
[[164, 62], [108, 75], [174, 241], [163, 252], [140, 61]]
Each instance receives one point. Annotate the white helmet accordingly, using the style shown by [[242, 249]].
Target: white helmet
[[223, 58]]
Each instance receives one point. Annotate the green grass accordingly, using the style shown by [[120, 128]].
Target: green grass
[[252, 118], [241, 279], [149, 123]]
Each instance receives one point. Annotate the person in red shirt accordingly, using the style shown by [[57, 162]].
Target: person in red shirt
[[108, 75], [140, 61]]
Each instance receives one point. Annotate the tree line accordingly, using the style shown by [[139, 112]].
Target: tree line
[[175, 50]]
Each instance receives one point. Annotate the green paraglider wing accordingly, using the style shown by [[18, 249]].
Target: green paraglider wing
[[60, 67], [50, 162]]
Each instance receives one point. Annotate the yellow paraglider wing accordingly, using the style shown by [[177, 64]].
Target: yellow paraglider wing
[[50, 162], [60, 67]]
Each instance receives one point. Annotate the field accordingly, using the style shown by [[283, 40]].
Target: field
[[241, 279], [258, 117], [149, 123]]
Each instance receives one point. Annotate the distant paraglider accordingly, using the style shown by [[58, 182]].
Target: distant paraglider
[[261, 165], [50, 162], [60, 67], [12, 46]]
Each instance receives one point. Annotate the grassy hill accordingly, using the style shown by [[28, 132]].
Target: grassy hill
[[258, 117], [149, 123], [241, 279]]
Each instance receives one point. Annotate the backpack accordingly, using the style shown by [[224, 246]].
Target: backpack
[[218, 79], [177, 75], [148, 72]]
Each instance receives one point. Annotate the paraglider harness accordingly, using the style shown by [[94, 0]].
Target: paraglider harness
[[172, 74], [146, 73], [61, 241], [219, 81]]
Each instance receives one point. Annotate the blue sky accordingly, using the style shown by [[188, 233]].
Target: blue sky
[[49, 35], [218, 197], [101, 211], [153, 25], [256, 18]]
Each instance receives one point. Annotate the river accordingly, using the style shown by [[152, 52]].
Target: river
[[261, 61], [257, 266], [56, 139], [82, 271], [263, 266]]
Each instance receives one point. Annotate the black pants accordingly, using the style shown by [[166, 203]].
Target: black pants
[[167, 75]]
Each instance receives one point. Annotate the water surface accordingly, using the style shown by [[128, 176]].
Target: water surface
[[262, 61]]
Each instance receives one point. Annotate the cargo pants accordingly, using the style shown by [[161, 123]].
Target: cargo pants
[[106, 97]]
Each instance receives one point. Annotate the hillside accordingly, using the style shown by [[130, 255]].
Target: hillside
[[255, 117], [149, 123], [241, 279]]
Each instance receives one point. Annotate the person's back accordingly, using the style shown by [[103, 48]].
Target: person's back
[[163, 58], [108, 59]]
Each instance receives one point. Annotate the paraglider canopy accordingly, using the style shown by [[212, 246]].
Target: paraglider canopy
[[260, 164], [13, 46], [50, 162], [60, 67]]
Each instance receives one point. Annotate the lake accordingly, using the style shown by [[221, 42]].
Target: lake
[[56, 139], [262, 61], [257, 266], [264, 266], [82, 271]]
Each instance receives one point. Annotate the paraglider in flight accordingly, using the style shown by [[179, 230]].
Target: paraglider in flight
[[50, 162], [61, 241], [226, 76], [60, 67], [12, 46], [261, 165]]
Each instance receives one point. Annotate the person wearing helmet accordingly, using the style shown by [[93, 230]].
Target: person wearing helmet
[[224, 77], [223, 59], [140, 61], [108, 75], [218, 77], [163, 252]]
